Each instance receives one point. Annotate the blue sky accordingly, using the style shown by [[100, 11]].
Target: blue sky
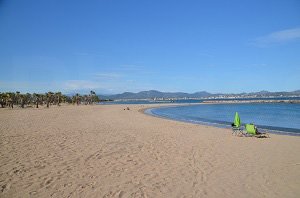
[[115, 46]]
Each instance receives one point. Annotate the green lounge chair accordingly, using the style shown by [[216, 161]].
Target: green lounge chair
[[251, 131], [236, 125]]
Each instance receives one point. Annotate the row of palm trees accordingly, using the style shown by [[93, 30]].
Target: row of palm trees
[[11, 99]]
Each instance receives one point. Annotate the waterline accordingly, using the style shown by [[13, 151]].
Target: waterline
[[220, 116]]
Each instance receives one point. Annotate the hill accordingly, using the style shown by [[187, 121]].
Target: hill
[[151, 94]]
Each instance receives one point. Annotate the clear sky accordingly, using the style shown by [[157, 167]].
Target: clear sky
[[113, 46]]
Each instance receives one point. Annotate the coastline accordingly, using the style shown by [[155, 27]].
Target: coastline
[[106, 151], [266, 129], [235, 101], [147, 111]]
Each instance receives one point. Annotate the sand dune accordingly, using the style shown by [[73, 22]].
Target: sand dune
[[105, 151]]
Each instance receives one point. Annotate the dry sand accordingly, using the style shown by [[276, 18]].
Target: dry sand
[[105, 151]]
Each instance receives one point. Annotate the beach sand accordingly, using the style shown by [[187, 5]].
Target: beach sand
[[105, 151]]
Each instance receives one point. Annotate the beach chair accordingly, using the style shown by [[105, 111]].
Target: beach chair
[[236, 125], [251, 131], [236, 130]]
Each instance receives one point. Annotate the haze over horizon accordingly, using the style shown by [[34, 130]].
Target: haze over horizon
[[116, 46], [194, 92]]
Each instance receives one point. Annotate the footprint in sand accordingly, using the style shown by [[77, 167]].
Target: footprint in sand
[[32, 193], [5, 187], [121, 194]]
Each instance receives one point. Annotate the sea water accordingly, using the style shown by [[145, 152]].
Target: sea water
[[151, 101], [273, 117]]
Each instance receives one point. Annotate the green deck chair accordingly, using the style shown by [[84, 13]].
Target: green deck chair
[[251, 131], [236, 127], [250, 128]]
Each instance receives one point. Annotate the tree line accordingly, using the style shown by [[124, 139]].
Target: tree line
[[11, 99]]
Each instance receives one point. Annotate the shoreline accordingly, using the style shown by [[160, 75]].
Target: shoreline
[[251, 101], [216, 124]]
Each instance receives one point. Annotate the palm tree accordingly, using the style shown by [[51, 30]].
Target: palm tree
[[17, 97], [37, 99], [6, 99], [77, 98], [57, 98], [91, 96], [22, 100], [2, 99], [66, 99], [28, 98], [94, 97], [49, 98], [10, 99]]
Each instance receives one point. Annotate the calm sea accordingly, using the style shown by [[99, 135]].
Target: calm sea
[[151, 101], [281, 118], [190, 100]]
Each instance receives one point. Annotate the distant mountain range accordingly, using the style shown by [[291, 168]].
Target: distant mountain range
[[201, 94]]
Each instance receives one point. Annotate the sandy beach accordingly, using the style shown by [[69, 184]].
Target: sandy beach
[[106, 151]]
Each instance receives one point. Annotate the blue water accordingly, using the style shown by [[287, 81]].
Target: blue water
[[249, 99], [151, 101], [191, 100], [273, 117]]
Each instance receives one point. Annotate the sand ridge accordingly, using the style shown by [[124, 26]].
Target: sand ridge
[[106, 151]]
